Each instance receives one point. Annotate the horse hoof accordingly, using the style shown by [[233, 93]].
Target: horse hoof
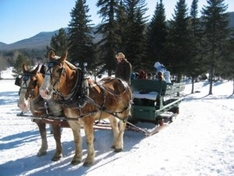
[[118, 150], [41, 154], [75, 162], [87, 164], [56, 158]]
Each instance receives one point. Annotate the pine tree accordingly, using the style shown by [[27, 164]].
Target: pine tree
[[178, 41], [226, 67], [17, 66], [156, 35], [81, 46], [135, 30], [215, 32], [195, 65], [107, 46], [58, 43], [121, 24]]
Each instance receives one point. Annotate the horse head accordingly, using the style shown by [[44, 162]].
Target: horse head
[[30, 82], [58, 76]]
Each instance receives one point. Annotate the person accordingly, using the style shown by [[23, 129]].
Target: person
[[142, 74], [124, 68], [162, 73], [149, 75]]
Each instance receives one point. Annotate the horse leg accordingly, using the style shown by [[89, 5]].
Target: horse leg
[[89, 135], [119, 144], [57, 138], [115, 129], [44, 145], [75, 126]]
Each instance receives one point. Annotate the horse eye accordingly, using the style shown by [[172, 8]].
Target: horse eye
[[59, 70]]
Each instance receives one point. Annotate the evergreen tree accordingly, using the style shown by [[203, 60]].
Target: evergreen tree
[[107, 46], [215, 32], [195, 65], [58, 43], [135, 30], [121, 24], [20, 60], [156, 35], [178, 45], [226, 67], [81, 46]]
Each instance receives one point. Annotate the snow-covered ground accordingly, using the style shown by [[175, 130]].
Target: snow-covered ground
[[200, 142]]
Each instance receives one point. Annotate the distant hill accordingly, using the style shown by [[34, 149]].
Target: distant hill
[[41, 40], [2, 44], [38, 41]]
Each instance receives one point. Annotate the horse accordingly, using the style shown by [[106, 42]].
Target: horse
[[29, 98], [86, 102]]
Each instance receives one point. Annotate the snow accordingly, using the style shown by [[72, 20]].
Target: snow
[[198, 143]]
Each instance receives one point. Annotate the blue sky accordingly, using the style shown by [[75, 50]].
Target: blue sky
[[20, 19]]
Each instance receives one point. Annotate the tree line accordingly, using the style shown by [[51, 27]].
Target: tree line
[[187, 44]]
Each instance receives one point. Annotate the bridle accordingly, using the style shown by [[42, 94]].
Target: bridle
[[75, 96], [49, 72], [26, 83]]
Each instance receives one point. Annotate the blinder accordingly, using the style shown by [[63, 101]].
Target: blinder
[[25, 77], [18, 80]]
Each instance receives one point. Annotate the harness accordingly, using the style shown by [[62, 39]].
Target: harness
[[79, 95], [38, 100]]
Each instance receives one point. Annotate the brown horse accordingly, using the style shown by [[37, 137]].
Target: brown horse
[[85, 101], [29, 98]]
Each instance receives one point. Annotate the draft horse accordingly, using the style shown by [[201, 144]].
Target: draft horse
[[29, 98], [86, 101]]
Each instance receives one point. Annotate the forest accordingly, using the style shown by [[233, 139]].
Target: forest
[[187, 45]]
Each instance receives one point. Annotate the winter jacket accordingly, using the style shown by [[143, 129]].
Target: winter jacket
[[124, 70]]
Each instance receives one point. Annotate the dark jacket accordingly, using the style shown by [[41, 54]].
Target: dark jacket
[[124, 70]]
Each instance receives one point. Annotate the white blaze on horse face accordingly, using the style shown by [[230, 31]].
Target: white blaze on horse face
[[23, 103], [46, 88]]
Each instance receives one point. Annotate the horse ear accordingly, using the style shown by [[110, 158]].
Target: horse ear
[[42, 69], [36, 69], [64, 56], [24, 67], [51, 54]]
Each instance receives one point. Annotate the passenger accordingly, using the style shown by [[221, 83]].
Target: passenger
[[163, 71], [124, 68], [149, 75], [134, 75], [160, 76], [142, 74]]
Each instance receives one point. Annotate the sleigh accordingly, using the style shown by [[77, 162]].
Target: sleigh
[[155, 102]]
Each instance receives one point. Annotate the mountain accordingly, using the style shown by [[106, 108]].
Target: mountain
[[41, 40], [38, 41], [2, 44]]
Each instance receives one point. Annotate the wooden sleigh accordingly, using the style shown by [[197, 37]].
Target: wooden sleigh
[[156, 102]]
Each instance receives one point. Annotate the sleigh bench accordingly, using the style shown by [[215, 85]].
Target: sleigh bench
[[154, 98]]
